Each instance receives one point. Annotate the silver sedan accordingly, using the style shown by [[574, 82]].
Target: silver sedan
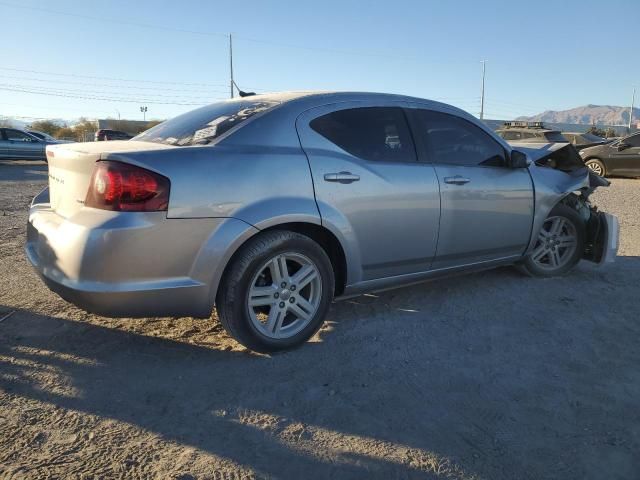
[[268, 207]]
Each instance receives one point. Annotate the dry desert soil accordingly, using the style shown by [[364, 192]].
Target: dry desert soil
[[486, 376]]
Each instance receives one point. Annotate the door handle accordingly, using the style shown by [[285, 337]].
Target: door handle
[[342, 177], [457, 180]]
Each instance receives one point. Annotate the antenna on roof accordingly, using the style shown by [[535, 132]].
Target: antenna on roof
[[242, 93]]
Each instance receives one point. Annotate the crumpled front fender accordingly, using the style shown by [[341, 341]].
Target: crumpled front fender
[[550, 187]]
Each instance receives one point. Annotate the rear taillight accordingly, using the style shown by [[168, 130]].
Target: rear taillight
[[127, 188]]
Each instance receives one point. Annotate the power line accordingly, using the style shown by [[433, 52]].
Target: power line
[[107, 85], [112, 20], [392, 55], [102, 92], [104, 98], [111, 78]]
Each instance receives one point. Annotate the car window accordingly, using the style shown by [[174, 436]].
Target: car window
[[203, 125], [370, 133], [456, 141], [18, 136], [633, 141]]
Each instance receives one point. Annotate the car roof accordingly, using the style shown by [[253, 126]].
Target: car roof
[[308, 99]]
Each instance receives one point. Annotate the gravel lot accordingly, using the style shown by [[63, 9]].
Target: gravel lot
[[486, 376]]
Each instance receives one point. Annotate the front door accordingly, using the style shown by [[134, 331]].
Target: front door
[[627, 160], [487, 207], [370, 186], [23, 145]]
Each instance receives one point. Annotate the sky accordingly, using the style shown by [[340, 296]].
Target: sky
[[100, 59]]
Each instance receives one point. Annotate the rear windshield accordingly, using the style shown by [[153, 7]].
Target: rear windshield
[[203, 125], [555, 137]]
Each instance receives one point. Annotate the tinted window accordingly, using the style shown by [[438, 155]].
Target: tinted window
[[634, 141], [376, 133], [555, 137], [18, 136], [455, 141], [203, 125], [38, 134]]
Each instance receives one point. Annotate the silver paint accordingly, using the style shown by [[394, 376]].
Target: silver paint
[[399, 224]]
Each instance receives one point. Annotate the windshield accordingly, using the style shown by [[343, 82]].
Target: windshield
[[203, 125]]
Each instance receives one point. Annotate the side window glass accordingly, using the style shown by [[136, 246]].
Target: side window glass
[[455, 141], [633, 141], [17, 136], [369, 133]]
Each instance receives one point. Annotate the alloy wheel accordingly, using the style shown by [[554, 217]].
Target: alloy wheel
[[284, 295], [556, 244], [595, 168]]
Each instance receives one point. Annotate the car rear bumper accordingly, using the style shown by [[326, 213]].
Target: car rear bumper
[[127, 264]]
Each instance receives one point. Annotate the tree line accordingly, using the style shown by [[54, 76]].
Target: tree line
[[85, 129]]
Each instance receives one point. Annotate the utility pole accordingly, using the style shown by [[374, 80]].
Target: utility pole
[[633, 100], [144, 113], [231, 64], [484, 62]]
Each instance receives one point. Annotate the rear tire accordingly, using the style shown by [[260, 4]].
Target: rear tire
[[596, 166], [559, 245], [276, 291]]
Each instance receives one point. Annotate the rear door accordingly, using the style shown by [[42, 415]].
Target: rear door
[[23, 145], [487, 207], [370, 186]]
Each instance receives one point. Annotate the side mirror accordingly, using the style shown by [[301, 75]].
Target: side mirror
[[519, 160], [622, 146]]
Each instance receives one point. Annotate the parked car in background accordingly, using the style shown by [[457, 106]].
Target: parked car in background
[[270, 206], [530, 132], [620, 157], [46, 137], [582, 140], [18, 144], [105, 134]]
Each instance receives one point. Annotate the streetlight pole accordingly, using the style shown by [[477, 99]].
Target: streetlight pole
[[143, 109], [231, 64], [633, 100], [484, 65]]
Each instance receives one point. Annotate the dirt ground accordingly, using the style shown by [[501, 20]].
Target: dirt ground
[[487, 376]]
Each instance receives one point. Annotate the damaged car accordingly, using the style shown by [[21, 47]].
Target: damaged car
[[269, 207]]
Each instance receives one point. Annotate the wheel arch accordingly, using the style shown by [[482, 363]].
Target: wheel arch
[[318, 233]]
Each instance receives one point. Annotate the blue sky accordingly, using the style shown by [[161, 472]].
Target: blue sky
[[540, 55]]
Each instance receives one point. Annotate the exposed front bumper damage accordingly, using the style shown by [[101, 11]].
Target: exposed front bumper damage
[[603, 238]]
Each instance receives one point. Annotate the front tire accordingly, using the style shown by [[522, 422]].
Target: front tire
[[596, 166], [276, 292], [559, 245]]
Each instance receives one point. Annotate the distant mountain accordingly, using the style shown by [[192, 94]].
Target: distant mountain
[[587, 115]]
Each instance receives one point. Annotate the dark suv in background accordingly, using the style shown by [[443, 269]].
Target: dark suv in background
[[621, 157], [105, 134], [530, 132]]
